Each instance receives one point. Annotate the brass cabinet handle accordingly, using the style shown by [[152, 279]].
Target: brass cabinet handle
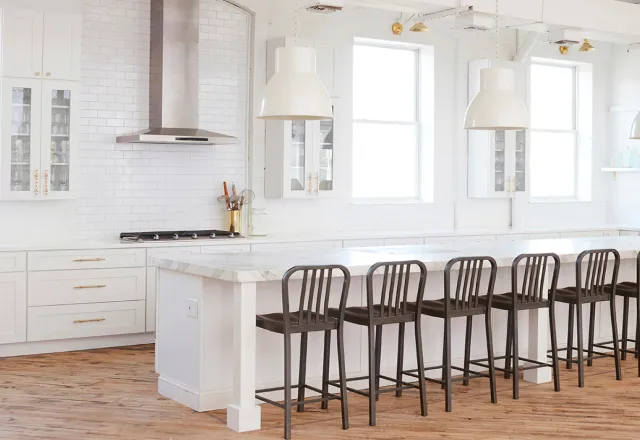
[[86, 260], [46, 182], [317, 184], [93, 286], [309, 183], [36, 182], [84, 321], [37, 73], [48, 74]]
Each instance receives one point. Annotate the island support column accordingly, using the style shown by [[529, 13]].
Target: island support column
[[243, 414], [538, 338]]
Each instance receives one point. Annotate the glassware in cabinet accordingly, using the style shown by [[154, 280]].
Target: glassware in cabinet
[[297, 156], [60, 133], [325, 156]]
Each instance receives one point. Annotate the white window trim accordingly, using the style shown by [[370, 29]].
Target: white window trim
[[424, 189], [581, 153]]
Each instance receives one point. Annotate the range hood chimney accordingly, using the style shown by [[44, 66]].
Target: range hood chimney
[[174, 78]]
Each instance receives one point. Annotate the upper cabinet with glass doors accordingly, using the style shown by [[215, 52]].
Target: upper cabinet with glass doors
[[496, 160], [300, 160], [40, 83]]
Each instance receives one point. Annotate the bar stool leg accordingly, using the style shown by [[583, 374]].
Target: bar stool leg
[[492, 371], [378, 358], [580, 348], [325, 368], [637, 342], [302, 372], [554, 348], [592, 325], [625, 329], [616, 342], [467, 350], [343, 379], [422, 382], [516, 359], [372, 377], [400, 363], [570, 337], [447, 363], [507, 350], [287, 386]]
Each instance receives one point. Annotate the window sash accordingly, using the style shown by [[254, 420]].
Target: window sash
[[576, 152], [574, 89]]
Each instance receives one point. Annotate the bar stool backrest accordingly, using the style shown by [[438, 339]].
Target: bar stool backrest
[[534, 278], [394, 293], [468, 283], [595, 278], [313, 306]]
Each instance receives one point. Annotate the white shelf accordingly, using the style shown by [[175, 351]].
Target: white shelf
[[60, 106], [620, 170]]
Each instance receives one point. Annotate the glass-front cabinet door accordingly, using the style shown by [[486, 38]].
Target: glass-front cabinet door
[[500, 162], [21, 110], [324, 178], [520, 178], [58, 135]]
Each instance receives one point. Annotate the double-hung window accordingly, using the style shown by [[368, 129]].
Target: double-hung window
[[386, 126]]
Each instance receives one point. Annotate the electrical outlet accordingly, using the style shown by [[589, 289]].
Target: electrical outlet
[[193, 308]]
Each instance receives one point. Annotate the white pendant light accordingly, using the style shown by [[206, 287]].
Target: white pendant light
[[635, 128], [497, 106], [294, 92]]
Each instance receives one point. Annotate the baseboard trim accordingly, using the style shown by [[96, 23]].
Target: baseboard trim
[[63, 345]]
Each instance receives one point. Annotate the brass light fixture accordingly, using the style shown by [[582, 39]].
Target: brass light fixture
[[586, 47], [419, 27], [397, 28], [564, 50]]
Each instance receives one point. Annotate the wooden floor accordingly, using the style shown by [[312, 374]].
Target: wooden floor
[[111, 394]]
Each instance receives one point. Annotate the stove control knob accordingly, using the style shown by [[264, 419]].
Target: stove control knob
[[231, 235], [156, 237], [212, 235], [176, 236], [194, 236]]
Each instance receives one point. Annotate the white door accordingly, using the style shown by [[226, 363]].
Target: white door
[[13, 308], [61, 46], [59, 137], [22, 43], [21, 109]]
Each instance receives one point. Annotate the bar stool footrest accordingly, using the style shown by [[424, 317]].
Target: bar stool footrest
[[600, 354], [405, 385], [609, 346], [329, 396]]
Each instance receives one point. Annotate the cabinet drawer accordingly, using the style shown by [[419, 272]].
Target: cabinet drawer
[[86, 259], [191, 250], [363, 243], [86, 286], [230, 248], [85, 320], [13, 261], [586, 234], [404, 241], [297, 245]]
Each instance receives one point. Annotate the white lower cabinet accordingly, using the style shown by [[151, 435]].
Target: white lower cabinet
[[329, 244], [86, 259], [404, 241], [13, 307], [363, 243], [85, 320]]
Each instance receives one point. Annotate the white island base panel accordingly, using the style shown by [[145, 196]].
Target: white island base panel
[[210, 355]]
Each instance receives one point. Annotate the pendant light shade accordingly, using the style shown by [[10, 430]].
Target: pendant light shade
[[419, 27], [294, 92], [497, 106], [635, 128]]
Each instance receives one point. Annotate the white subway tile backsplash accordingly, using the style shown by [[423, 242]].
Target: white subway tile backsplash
[[140, 186]]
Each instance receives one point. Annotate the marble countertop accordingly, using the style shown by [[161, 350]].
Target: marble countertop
[[270, 266]]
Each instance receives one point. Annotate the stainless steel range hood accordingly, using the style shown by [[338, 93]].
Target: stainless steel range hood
[[174, 78]]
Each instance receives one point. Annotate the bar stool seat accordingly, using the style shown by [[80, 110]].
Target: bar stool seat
[[504, 301], [436, 308], [360, 315], [625, 288], [569, 295], [275, 322]]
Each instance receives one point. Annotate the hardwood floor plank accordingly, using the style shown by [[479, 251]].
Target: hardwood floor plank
[[112, 394]]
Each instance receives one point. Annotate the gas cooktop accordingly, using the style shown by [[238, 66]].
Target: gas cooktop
[[158, 236]]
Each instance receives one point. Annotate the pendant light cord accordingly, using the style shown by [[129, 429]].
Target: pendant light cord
[[296, 19], [497, 24]]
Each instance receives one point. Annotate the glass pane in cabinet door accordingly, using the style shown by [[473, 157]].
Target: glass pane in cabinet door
[[297, 168], [325, 169], [500, 156], [20, 139], [60, 140], [521, 160]]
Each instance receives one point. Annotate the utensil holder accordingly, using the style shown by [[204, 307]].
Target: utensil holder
[[234, 221]]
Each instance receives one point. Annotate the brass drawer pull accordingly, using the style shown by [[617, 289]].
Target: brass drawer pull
[[84, 321], [87, 260], [94, 286]]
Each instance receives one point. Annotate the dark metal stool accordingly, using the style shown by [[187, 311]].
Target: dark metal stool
[[529, 297], [591, 289], [312, 315], [392, 308], [628, 290], [465, 304]]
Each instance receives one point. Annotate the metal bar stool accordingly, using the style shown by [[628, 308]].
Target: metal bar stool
[[465, 304], [628, 290], [389, 306], [312, 315], [529, 297], [591, 289]]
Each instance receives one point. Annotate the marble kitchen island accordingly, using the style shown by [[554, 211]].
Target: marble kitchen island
[[210, 356]]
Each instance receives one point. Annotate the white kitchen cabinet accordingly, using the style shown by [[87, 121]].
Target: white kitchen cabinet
[[38, 44], [497, 160], [13, 307], [366, 242], [300, 161], [39, 138]]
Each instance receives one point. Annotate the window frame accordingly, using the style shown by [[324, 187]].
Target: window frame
[[575, 132], [416, 122]]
